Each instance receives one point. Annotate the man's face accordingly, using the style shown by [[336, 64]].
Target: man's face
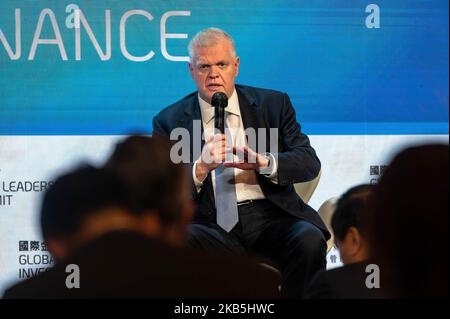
[[214, 69]]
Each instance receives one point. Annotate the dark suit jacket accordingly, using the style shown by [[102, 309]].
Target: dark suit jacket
[[129, 265], [260, 108], [347, 282]]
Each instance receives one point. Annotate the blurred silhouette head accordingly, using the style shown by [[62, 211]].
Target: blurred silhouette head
[[408, 226], [71, 203], [139, 190], [347, 224], [156, 184]]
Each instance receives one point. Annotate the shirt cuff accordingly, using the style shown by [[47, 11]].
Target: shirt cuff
[[271, 172], [198, 184]]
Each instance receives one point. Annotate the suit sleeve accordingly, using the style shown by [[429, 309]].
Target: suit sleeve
[[297, 162], [158, 127]]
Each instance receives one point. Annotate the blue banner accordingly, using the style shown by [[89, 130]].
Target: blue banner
[[108, 67]]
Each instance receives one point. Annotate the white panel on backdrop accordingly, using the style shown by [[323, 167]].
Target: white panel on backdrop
[[27, 165], [349, 160]]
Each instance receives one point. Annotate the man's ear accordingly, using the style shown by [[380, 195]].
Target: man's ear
[[191, 69], [355, 240], [177, 231], [59, 248], [236, 64], [187, 212], [150, 224]]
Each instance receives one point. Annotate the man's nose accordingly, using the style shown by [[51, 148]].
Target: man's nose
[[214, 71]]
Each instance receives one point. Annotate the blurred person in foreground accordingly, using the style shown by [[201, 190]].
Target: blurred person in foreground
[[349, 281], [406, 228], [127, 244], [408, 231]]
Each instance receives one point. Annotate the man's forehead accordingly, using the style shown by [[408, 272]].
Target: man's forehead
[[213, 53], [211, 59]]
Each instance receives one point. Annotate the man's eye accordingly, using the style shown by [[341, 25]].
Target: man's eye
[[221, 65], [203, 67]]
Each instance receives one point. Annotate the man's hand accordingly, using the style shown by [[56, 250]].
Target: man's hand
[[248, 159], [213, 154]]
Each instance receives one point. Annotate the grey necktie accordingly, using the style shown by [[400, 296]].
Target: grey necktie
[[226, 205]]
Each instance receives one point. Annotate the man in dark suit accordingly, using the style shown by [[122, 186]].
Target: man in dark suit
[[349, 281], [247, 202], [128, 244]]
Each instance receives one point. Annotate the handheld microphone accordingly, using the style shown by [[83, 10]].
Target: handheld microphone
[[219, 101]]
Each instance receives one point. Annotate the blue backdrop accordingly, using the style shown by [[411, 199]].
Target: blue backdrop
[[342, 76]]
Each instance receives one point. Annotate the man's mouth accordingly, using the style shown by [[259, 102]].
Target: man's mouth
[[214, 87]]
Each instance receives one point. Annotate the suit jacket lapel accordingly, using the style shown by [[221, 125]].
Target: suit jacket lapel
[[248, 108]]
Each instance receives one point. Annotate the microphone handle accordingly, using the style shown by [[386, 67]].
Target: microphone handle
[[219, 119]]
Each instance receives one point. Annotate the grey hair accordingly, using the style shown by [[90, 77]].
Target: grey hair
[[209, 37]]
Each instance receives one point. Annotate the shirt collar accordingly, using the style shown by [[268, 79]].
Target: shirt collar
[[208, 111]]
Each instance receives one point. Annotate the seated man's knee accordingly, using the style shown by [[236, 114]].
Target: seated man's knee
[[212, 238], [309, 238], [196, 234]]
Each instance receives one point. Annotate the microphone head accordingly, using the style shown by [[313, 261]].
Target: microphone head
[[219, 99]]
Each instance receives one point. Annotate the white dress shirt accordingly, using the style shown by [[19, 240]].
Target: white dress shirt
[[247, 187]]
